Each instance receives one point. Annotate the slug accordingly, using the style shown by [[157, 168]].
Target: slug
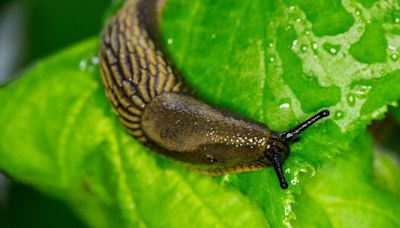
[[154, 105]]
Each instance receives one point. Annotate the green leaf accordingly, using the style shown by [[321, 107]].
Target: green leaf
[[268, 60], [264, 59], [345, 194], [62, 137], [373, 36], [386, 170]]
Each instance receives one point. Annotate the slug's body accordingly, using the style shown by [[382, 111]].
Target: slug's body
[[148, 96]]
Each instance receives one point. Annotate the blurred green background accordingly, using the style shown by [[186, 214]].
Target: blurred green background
[[31, 30], [37, 28]]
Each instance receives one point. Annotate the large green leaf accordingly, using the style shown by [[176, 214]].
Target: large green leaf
[[387, 168], [275, 61], [61, 136], [345, 193]]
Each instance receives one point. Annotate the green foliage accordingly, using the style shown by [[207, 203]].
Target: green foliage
[[387, 166], [269, 60], [347, 195], [373, 36]]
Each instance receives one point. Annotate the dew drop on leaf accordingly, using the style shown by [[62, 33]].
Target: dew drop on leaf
[[332, 49], [270, 45], [95, 61], [351, 100], [295, 44], [272, 59], [315, 46], [89, 64], [284, 106], [339, 114], [83, 64], [294, 181], [362, 90]]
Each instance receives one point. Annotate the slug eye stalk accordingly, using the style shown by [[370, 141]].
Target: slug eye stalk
[[277, 164], [279, 145], [291, 134]]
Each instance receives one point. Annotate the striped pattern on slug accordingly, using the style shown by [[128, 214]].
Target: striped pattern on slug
[[133, 70], [152, 104]]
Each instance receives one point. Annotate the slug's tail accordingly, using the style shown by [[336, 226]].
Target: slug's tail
[[133, 69]]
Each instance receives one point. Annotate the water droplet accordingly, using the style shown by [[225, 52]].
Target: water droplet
[[358, 12], [284, 106], [294, 44], [287, 210], [382, 72], [308, 32], [315, 46], [339, 114], [360, 29], [284, 103], [351, 100], [271, 45], [95, 60], [213, 36], [333, 51], [361, 90], [394, 57], [298, 20], [83, 64], [170, 41], [303, 48], [89, 64], [272, 59], [294, 181], [397, 20], [226, 178]]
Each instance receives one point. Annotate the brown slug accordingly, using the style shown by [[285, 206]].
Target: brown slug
[[150, 98]]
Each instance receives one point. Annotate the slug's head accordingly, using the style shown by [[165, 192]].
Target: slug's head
[[278, 145]]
